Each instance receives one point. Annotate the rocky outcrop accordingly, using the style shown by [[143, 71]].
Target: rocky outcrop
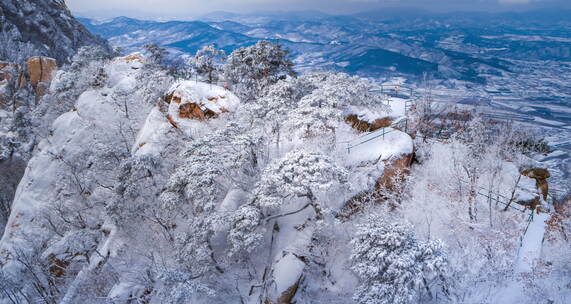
[[287, 296], [198, 101], [41, 28], [194, 111], [530, 204], [365, 126], [395, 170], [288, 277], [41, 71], [540, 175]]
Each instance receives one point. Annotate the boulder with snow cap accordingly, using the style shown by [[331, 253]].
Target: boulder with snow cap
[[288, 276], [540, 175], [199, 101]]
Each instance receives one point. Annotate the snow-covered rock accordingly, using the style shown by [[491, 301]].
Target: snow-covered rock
[[99, 124], [379, 146], [41, 27], [198, 100]]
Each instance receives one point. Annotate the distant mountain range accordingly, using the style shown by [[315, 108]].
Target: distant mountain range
[[463, 46]]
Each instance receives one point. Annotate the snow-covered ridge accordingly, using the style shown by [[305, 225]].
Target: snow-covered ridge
[[97, 123]]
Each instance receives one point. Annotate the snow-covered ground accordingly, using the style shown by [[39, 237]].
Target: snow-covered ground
[[528, 255]]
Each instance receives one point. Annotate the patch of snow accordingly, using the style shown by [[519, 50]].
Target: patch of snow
[[379, 145], [287, 272], [234, 199], [530, 250], [151, 134]]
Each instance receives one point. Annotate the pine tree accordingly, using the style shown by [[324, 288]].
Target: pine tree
[[250, 70], [391, 263], [207, 62], [298, 174]]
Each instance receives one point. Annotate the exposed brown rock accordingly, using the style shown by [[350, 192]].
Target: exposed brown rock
[[540, 175], [21, 80], [57, 267], [41, 70], [193, 111], [287, 296], [395, 169], [364, 126], [168, 97], [530, 204], [536, 173], [172, 122], [543, 187], [133, 57]]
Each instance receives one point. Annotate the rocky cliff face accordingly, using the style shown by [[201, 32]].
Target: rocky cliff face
[[41, 28]]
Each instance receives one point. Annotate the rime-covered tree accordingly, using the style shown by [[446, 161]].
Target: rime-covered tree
[[310, 121], [208, 62], [157, 53], [341, 90], [220, 161], [299, 174], [319, 112], [272, 109], [250, 70], [476, 138], [244, 236], [392, 264], [212, 165]]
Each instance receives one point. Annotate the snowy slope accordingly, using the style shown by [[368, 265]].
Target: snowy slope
[[95, 126]]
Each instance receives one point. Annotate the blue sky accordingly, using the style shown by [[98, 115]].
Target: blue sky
[[195, 8]]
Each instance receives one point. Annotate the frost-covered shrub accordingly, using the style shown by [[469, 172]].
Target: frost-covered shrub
[[250, 70], [207, 62], [298, 174], [392, 263], [244, 236]]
